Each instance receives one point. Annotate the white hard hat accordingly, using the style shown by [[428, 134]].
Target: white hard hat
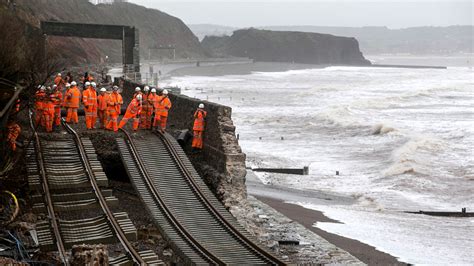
[[115, 88], [55, 86], [165, 91], [68, 85], [93, 84], [139, 97], [137, 89], [88, 83], [43, 88], [146, 88], [39, 86], [201, 106], [49, 88], [103, 89], [59, 74], [73, 83], [153, 90]]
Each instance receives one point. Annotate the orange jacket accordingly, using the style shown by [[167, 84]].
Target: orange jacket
[[39, 99], [14, 131], [114, 102], [57, 98], [102, 102], [162, 105], [133, 109], [89, 97], [58, 81], [199, 117], [48, 105], [73, 97]]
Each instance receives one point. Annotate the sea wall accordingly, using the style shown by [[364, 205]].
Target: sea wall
[[221, 162]]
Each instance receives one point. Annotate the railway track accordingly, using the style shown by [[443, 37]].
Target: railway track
[[185, 210], [67, 175]]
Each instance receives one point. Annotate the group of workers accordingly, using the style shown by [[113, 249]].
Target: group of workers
[[147, 109]]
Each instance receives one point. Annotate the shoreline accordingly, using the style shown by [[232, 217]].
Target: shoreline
[[307, 217]]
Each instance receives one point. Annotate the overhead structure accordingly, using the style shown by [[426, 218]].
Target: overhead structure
[[128, 35]]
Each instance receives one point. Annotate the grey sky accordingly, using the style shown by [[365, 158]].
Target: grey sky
[[244, 13]]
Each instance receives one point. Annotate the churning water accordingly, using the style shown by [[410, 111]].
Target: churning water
[[401, 139]]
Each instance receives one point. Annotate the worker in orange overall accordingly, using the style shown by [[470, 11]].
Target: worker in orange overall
[[114, 103], [39, 98], [102, 107], [58, 81], [48, 110], [162, 106], [138, 91], [89, 98], [14, 131], [145, 108], [134, 110], [72, 99], [198, 127], [57, 97]]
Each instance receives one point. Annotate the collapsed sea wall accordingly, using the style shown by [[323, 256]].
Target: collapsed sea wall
[[221, 162]]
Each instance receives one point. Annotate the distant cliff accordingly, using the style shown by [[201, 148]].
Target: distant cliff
[[286, 46], [156, 28]]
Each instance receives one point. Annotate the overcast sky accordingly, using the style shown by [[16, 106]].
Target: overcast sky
[[245, 13]]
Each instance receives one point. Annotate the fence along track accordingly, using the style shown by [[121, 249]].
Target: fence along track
[[107, 228], [173, 178]]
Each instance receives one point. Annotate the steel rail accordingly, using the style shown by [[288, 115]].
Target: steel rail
[[47, 196], [102, 201], [230, 227], [213, 259]]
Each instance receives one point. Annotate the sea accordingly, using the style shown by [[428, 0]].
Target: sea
[[393, 139]]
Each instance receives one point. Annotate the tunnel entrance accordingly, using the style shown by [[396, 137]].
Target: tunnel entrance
[[128, 35]]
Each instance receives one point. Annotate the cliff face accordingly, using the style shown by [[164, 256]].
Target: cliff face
[[156, 28], [287, 46]]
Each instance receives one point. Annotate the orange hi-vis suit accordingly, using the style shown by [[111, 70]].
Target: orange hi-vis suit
[[39, 103], [57, 98], [89, 98], [114, 103], [134, 110], [59, 82], [72, 99], [162, 106], [14, 131], [102, 108], [198, 128], [48, 112], [147, 111]]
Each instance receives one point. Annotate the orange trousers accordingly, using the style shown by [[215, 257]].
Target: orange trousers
[[145, 119], [160, 121], [136, 122], [197, 139], [57, 115], [72, 115], [102, 118], [112, 121], [91, 116], [49, 120]]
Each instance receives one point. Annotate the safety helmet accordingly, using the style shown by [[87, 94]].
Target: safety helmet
[[146, 88], [48, 88], [88, 83], [115, 88], [39, 86], [201, 106], [137, 89], [153, 90], [139, 97], [42, 88], [103, 89], [68, 85], [55, 86], [59, 74], [165, 92], [73, 83], [93, 84]]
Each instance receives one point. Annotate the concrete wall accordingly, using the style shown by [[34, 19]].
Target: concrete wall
[[221, 162]]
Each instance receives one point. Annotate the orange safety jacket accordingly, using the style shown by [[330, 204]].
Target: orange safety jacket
[[199, 117], [58, 81], [39, 99], [57, 98], [102, 102], [133, 109], [14, 131], [114, 102], [89, 97], [73, 97], [48, 106], [162, 106]]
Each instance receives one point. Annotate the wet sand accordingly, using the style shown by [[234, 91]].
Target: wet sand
[[308, 217]]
